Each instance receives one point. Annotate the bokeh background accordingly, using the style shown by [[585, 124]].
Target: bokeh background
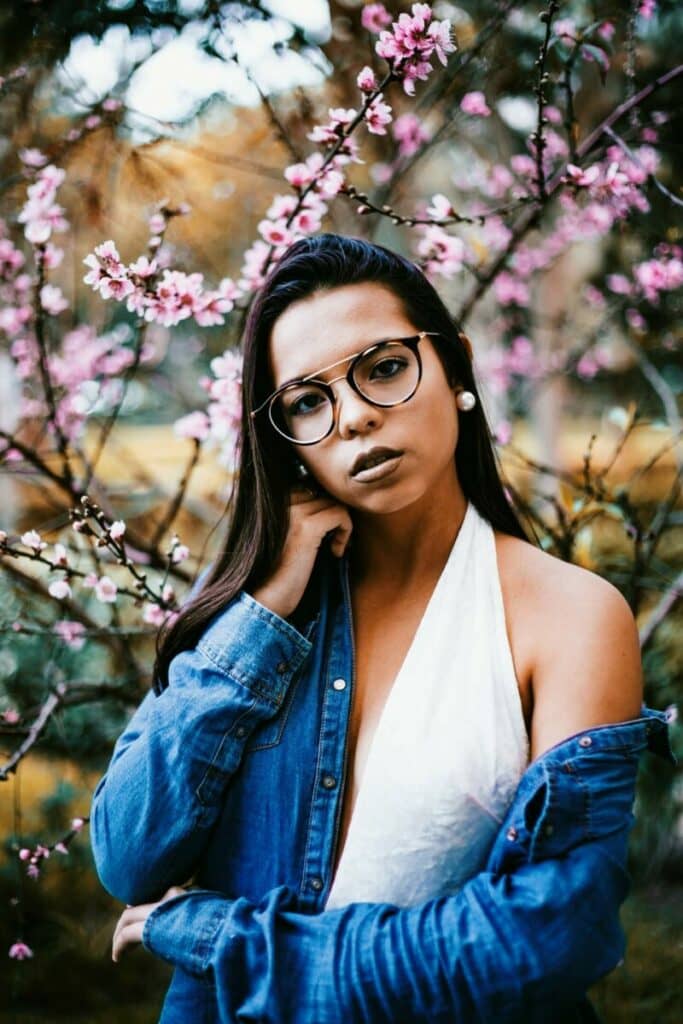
[[198, 107]]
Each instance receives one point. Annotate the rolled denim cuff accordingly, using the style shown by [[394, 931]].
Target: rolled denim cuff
[[182, 930], [255, 647]]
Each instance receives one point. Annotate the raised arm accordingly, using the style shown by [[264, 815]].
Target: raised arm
[[153, 809]]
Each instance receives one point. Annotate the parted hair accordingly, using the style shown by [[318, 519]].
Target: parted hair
[[265, 462]]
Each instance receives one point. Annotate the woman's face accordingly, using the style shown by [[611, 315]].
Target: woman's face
[[331, 325]]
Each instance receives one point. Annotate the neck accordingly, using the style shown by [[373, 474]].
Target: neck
[[398, 548]]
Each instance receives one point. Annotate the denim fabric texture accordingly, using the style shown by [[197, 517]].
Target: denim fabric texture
[[232, 779]]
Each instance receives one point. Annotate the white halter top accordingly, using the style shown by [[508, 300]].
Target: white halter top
[[450, 746]]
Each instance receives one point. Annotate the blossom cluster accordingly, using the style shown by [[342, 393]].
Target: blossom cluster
[[33, 857], [411, 42], [220, 424], [167, 299], [41, 214]]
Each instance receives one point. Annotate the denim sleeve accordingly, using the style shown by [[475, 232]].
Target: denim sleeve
[[153, 809], [519, 943], [520, 948]]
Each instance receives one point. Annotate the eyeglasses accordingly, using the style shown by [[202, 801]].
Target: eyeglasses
[[385, 374]]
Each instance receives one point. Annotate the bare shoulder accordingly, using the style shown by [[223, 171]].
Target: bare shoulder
[[580, 642]]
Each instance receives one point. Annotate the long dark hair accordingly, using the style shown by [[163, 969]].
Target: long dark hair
[[265, 460]]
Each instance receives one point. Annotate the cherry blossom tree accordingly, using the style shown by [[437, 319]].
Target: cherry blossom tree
[[497, 187]]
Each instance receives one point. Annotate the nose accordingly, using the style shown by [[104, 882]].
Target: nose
[[354, 414]]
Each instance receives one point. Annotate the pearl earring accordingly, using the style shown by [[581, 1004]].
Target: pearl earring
[[466, 401], [301, 471]]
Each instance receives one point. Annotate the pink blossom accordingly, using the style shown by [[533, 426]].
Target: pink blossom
[[375, 17], [32, 540], [594, 296], [587, 366], [523, 166], [33, 871], [340, 120], [410, 132], [306, 222], [299, 176], [180, 553], [366, 80], [583, 178], [442, 253], [71, 632], [89, 581], [52, 256], [283, 206], [565, 27], [156, 224], [108, 255], [117, 529], [59, 589], [411, 42], [20, 951], [61, 848], [93, 121], [24, 853], [635, 319], [32, 157], [510, 290], [655, 276], [153, 614], [275, 232], [440, 207], [143, 267], [474, 104], [105, 590], [116, 287], [377, 115], [194, 425], [606, 31], [111, 103], [77, 824], [647, 9], [10, 716], [619, 284], [52, 300]]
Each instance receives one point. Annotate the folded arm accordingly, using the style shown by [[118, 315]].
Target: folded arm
[[506, 948]]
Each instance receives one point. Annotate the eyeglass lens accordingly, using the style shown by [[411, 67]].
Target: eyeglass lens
[[387, 375]]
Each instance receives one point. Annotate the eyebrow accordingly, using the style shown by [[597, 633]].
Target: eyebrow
[[315, 374]]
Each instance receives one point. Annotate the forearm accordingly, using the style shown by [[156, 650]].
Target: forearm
[[504, 949], [152, 811]]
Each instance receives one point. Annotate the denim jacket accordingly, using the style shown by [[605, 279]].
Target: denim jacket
[[233, 776]]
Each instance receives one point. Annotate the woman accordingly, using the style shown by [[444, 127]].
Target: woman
[[392, 741]]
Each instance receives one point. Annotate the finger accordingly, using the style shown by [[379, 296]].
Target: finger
[[129, 935], [301, 494], [175, 890]]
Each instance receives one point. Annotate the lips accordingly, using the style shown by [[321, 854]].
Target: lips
[[373, 458]]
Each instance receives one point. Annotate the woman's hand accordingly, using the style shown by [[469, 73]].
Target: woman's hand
[[311, 518], [128, 930]]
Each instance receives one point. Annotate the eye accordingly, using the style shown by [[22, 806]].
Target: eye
[[389, 366], [305, 404]]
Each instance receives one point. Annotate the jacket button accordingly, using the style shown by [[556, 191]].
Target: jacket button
[[511, 833], [549, 829], [339, 684], [317, 884], [329, 781], [585, 741], [240, 731]]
